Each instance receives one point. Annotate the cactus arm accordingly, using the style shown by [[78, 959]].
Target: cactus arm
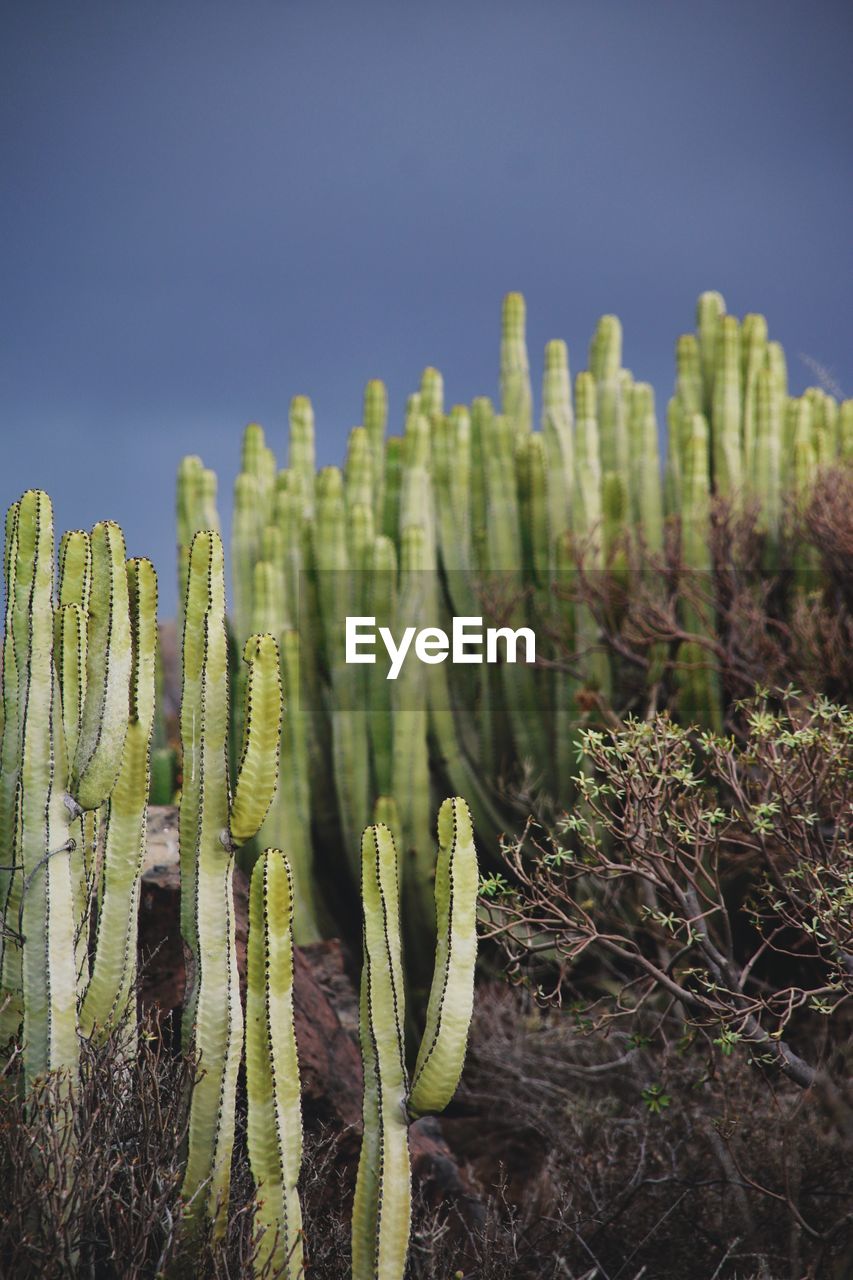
[[46, 913], [410, 767], [289, 819], [358, 473], [753, 359], [60, 924], [70, 663], [245, 546], [209, 829], [114, 968], [32, 635], [383, 607], [674, 478], [212, 1014], [432, 393], [645, 470], [451, 466], [710, 310], [274, 1124], [605, 359], [391, 495], [70, 657], [557, 421], [767, 460], [9, 755], [699, 695], [374, 418], [301, 453], [726, 413], [98, 756], [258, 774], [204, 570], [213, 1011], [516, 396], [382, 1207], [533, 484], [75, 568], [442, 1050], [688, 362]]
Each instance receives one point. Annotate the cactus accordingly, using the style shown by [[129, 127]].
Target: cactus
[[472, 512], [516, 397], [431, 394], [213, 823], [699, 697], [646, 498], [709, 312], [274, 1125], [726, 412], [382, 1206], [410, 765], [108, 992], [61, 758], [558, 438], [301, 458]]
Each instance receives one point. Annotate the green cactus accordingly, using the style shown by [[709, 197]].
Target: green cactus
[[516, 396], [196, 509], [274, 1123], [689, 385], [108, 993], [472, 513], [726, 413], [558, 440], [212, 825], [710, 310], [382, 1206], [374, 418], [753, 360], [646, 497], [767, 457], [301, 454], [410, 765], [88, 658], [358, 476], [699, 690], [605, 361], [431, 394]]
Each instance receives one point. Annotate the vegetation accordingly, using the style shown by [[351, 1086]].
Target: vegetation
[[675, 912]]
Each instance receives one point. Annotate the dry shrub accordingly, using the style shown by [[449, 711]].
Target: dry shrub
[[642, 1155], [770, 617], [107, 1205]]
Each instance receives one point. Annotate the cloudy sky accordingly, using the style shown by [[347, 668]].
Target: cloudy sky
[[210, 207]]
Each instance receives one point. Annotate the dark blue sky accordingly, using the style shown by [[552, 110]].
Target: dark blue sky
[[210, 207]]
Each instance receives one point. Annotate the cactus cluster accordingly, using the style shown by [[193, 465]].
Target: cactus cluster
[[381, 1217], [213, 824], [472, 512], [78, 703], [78, 711]]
